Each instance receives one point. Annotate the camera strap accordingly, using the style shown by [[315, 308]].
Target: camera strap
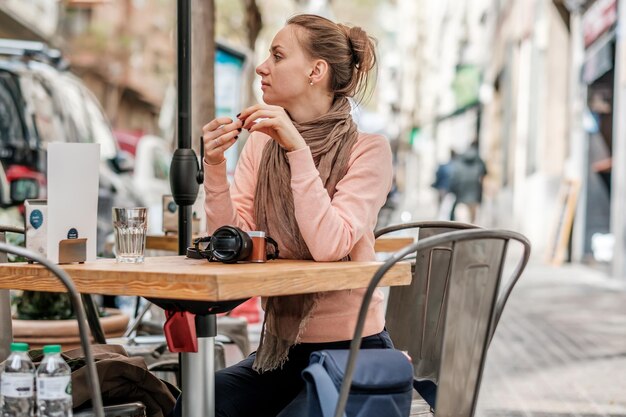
[[273, 254]]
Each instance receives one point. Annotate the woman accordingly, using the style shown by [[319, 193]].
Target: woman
[[314, 184]]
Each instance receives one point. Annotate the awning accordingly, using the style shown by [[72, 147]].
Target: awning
[[599, 58], [22, 20]]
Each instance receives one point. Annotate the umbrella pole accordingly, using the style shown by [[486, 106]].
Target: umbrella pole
[[184, 168], [198, 373]]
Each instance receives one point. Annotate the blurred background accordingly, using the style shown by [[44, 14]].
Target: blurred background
[[532, 84]]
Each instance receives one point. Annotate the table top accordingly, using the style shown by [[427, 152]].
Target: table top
[[177, 277], [392, 244], [170, 243]]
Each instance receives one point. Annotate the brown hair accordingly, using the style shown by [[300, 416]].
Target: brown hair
[[349, 52]]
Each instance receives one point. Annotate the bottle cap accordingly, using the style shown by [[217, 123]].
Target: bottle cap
[[52, 349], [19, 347]]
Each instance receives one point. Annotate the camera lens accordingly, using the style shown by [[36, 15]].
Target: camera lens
[[230, 244]]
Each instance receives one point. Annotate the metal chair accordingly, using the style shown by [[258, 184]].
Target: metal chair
[[94, 385], [465, 319]]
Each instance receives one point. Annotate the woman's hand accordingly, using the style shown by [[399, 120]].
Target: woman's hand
[[218, 135], [275, 123]]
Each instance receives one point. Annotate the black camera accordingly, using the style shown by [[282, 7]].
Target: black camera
[[230, 244]]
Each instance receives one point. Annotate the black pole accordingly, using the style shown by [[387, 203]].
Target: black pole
[[184, 168], [184, 73]]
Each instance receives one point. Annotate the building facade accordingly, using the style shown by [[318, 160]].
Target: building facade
[[125, 58], [540, 85]]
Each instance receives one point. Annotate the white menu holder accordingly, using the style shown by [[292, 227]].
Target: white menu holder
[[73, 172]]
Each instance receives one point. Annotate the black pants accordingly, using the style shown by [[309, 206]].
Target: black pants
[[242, 392]]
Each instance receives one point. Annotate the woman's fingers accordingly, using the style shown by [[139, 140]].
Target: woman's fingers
[[226, 137], [259, 114], [272, 128], [250, 114], [263, 124], [215, 123], [218, 127], [248, 111], [223, 146], [214, 147], [220, 140]]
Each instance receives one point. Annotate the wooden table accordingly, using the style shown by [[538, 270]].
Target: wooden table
[[176, 277], [170, 243], [180, 278], [164, 242], [392, 244]]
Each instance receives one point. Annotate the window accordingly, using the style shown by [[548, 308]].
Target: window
[[77, 21]]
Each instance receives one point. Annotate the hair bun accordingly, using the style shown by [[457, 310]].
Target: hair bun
[[357, 39], [361, 46]]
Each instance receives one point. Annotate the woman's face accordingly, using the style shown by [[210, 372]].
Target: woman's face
[[285, 73]]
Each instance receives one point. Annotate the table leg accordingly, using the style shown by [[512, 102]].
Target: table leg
[[93, 320], [198, 371]]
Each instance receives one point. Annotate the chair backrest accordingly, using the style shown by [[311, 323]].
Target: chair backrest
[[473, 308], [415, 313]]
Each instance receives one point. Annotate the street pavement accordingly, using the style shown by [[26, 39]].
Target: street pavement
[[560, 347]]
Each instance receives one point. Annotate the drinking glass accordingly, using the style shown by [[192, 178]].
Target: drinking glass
[[130, 226]]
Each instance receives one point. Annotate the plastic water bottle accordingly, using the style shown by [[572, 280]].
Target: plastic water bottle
[[17, 382], [54, 384]]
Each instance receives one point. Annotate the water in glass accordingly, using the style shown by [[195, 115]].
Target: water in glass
[[129, 226]]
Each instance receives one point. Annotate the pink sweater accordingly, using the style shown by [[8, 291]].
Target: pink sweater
[[331, 229]]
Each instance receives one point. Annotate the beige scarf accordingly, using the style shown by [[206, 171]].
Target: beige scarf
[[330, 138]]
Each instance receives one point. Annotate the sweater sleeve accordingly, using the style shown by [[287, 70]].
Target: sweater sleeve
[[231, 204], [331, 228]]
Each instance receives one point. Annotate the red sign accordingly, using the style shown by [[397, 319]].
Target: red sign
[[598, 19]]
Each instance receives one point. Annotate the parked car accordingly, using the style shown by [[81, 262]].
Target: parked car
[[10, 214], [42, 102]]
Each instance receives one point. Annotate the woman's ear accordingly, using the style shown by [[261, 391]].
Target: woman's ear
[[319, 71]]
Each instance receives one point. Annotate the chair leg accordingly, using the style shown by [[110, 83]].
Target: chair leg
[[420, 408], [6, 329]]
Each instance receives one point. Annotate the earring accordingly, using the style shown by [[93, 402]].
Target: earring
[[310, 81]]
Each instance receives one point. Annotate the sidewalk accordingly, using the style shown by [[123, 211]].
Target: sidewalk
[[560, 348]]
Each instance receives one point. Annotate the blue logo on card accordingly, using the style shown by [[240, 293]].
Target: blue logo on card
[[72, 234], [36, 219]]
